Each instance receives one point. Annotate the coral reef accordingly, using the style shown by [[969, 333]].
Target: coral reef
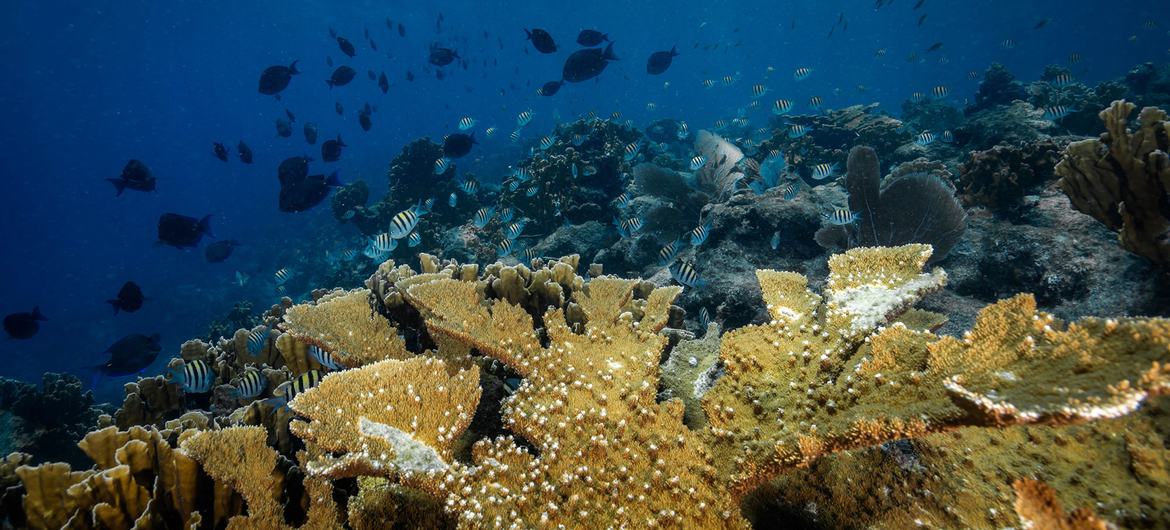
[[1123, 180], [48, 418], [1001, 177], [998, 87]]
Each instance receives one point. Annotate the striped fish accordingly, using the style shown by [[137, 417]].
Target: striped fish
[[522, 174], [469, 186], [257, 339], [506, 215], [281, 290], [349, 254], [781, 107], [282, 276], [578, 139], [426, 206], [651, 106], [530, 254], [940, 92], [631, 151], [924, 138], [708, 83], [505, 248], [791, 190], [700, 234], [195, 377], [300, 384], [615, 115], [667, 254], [482, 216], [413, 240], [947, 137], [824, 171], [531, 191], [466, 122], [704, 318], [972, 75], [801, 73], [490, 132], [815, 102], [373, 253], [622, 200], [629, 227], [547, 142], [403, 223], [728, 80], [1057, 112], [514, 136], [684, 130], [918, 97], [442, 165], [1061, 80], [684, 273], [514, 230], [383, 242], [758, 90], [251, 384], [797, 130], [324, 357], [697, 162], [720, 123], [841, 217], [524, 118]]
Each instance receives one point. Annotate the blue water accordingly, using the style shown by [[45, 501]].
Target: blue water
[[89, 85]]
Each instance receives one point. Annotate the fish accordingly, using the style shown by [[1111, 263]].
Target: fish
[[241, 279], [456, 145], [758, 90], [341, 76], [918, 97], [922, 20], [135, 176], [383, 242], [440, 56], [244, 152], [660, 61], [251, 384], [276, 78], [781, 107], [840, 217], [340, 110], [346, 46], [514, 230], [531, 254], [1061, 80], [541, 40], [700, 234], [300, 191], [547, 142], [797, 130], [684, 130], [791, 190], [325, 358], [728, 80], [401, 30], [815, 102], [631, 151], [697, 162], [442, 165], [531, 191], [281, 276], [130, 355], [629, 227], [490, 132], [409, 76], [583, 65], [522, 174], [373, 253], [550, 88], [589, 170], [708, 83], [684, 273], [180, 231], [514, 136], [1007, 44], [364, 119], [524, 118], [591, 38], [257, 340], [283, 128], [667, 254], [299, 385], [1057, 112], [504, 248], [469, 186], [24, 326], [128, 299], [220, 151], [940, 92], [452, 200], [414, 240], [1041, 23], [573, 170], [1074, 58], [482, 216], [935, 47], [704, 318], [880, 52], [947, 137], [331, 149], [195, 377], [801, 73], [403, 222], [383, 83], [823, 171], [466, 123], [924, 138], [310, 132], [775, 241], [622, 200]]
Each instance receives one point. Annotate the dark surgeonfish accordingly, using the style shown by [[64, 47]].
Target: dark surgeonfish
[[541, 40], [331, 149], [24, 325], [550, 88], [442, 56], [456, 145], [586, 64], [341, 76], [346, 46], [383, 83], [130, 355], [364, 118], [245, 152], [283, 128], [300, 191], [220, 250], [135, 176], [311, 132], [591, 37], [660, 61], [275, 79], [181, 231], [129, 298], [221, 152]]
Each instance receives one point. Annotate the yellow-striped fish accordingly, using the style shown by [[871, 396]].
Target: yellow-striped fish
[[801, 73], [466, 122], [505, 248], [251, 384], [383, 242], [684, 273], [257, 339], [524, 118], [300, 384], [824, 171], [781, 107], [403, 223], [196, 377], [324, 357], [841, 216]]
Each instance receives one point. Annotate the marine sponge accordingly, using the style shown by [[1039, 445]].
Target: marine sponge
[[1123, 179]]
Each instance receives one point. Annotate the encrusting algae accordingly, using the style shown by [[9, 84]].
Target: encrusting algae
[[592, 440]]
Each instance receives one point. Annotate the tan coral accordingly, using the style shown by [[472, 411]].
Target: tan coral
[[1038, 508], [343, 324]]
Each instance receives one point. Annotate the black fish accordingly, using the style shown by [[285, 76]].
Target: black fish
[[660, 61], [383, 83], [300, 191], [591, 37], [331, 149], [921, 19], [409, 75], [373, 45], [364, 119], [341, 76], [220, 151], [23, 325], [456, 145], [130, 355], [311, 132], [442, 56], [283, 128], [346, 46], [245, 152], [129, 298], [919, 4], [1043, 22], [370, 74], [274, 79], [586, 64], [180, 231], [338, 108], [550, 88], [935, 47], [401, 30], [220, 250], [541, 40], [135, 176]]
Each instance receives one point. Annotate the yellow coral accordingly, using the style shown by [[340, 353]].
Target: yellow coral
[[343, 324], [1038, 509]]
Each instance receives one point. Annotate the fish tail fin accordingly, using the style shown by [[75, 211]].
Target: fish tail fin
[[527, 34], [293, 67], [119, 185], [605, 37], [37, 315], [205, 226], [333, 181], [114, 302], [608, 54], [674, 51]]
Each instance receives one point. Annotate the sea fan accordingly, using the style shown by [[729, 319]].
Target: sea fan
[[721, 172]]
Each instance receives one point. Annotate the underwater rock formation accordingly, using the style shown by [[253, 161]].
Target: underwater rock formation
[[1123, 179], [999, 178], [48, 419], [998, 87]]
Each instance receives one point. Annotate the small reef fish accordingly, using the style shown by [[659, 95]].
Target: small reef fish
[[924, 138], [524, 118], [257, 339], [505, 248], [775, 242], [403, 222], [531, 191], [631, 151], [1061, 80], [801, 73], [1057, 112], [466, 123], [629, 227], [515, 136], [684, 273], [697, 162], [489, 132], [815, 102], [667, 254], [303, 382], [414, 240], [506, 215], [824, 171], [482, 216], [622, 200], [514, 230], [324, 357], [251, 384], [469, 186], [940, 92], [282, 276], [700, 234], [684, 130], [781, 107], [704, 318], [547, 142], [841, 217], [758, 90], [241, 279], [195, 377], [452, 200], [797, 130]]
